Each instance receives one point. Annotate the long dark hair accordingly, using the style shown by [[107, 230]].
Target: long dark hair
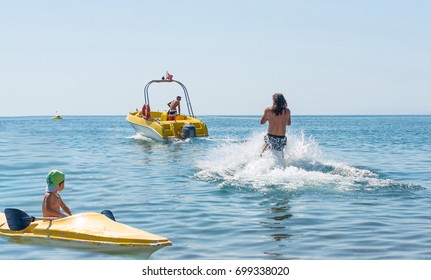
[[280, 104]]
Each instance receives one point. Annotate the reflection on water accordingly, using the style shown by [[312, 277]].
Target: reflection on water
[[282, 210], [281, 236], [274, 255], [280, 215], [112, 250]]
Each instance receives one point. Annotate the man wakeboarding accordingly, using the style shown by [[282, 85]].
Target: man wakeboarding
[[278, 117]]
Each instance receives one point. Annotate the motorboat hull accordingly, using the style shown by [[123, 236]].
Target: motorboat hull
[[147, 131]]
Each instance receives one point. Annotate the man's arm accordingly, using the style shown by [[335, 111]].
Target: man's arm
[[264, 117], [289, 120]]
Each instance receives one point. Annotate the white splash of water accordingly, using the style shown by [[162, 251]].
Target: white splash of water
[[138, 136], [141, 137], [301, 164]]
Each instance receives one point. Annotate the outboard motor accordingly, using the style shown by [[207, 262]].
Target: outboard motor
[[189, 131]]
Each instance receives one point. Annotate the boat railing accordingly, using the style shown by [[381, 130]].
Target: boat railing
[[186, 94]]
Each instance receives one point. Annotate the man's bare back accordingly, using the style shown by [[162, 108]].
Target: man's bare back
[[276, 124]]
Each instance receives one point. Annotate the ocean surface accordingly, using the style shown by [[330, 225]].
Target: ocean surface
[[346, 187]]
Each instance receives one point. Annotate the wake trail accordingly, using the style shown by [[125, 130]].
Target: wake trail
[[302, 164]]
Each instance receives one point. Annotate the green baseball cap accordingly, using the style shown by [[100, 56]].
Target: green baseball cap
[[53, 179]]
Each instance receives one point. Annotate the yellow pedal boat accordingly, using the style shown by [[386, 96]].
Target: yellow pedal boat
[[89, 230], [156, 124]]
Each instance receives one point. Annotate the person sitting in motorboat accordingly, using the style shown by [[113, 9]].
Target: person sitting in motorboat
[[52, 201], [173, 105]]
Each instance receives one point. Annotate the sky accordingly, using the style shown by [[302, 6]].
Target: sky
[[327, 57]]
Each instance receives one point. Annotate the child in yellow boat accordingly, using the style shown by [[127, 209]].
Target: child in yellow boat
[[52, 201]]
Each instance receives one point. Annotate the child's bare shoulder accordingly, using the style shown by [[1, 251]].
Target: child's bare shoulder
[[50, 196]]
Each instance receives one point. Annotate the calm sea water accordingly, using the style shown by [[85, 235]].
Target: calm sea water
[[348, 187]]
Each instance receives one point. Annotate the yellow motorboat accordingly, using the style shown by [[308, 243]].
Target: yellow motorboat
[[94, 231], [157, 124], [57, 117]]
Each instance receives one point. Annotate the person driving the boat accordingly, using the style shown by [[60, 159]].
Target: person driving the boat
[[173, 105], [278, 117], [52, 201]]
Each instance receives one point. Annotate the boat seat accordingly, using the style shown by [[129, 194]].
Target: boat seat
[[164, 116]]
